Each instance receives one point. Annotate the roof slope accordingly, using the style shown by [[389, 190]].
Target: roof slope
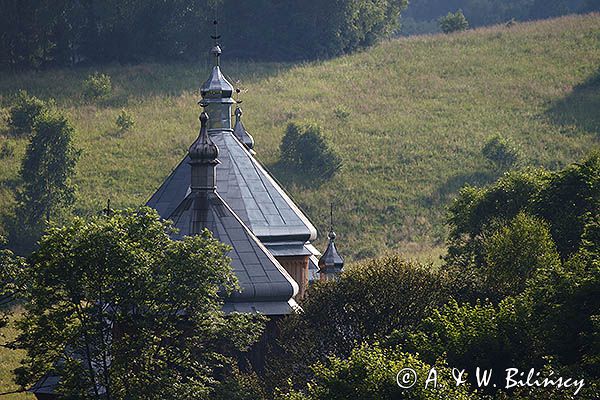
[[247, 188], [265, 285]]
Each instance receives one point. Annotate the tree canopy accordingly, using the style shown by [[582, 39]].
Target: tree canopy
[[38, 33], [119, 310]]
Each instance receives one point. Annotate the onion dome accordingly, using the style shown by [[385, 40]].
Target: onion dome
[[203, 150], [240, 131], [331, 264], [217, 88]]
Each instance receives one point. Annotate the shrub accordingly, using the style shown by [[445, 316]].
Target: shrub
[[515, 251], [500, 152], [97, 87], [24, 112], [305, 148], [125, 121], [371, 372], [369, 302], [454, 22]]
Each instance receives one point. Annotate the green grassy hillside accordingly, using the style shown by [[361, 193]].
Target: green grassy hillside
[[408, 116]]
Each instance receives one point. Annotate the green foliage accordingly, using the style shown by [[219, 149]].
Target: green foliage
[[553, 322], [240, 386], [97, 87], [476, 209], [24, 112], [563, 199], [514, 252], [454, 22], [369, 302], [304, 148], [370, 372], [570, 197], [470, 336], [500, 152], [125, 121], [71, 31], [10, 266], [47, 172], [126, 308]]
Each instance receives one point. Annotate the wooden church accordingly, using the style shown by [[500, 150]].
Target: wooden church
[[221, 186]]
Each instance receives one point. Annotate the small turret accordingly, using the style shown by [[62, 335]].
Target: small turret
[[240, 131], [203, 159], [331, 264]]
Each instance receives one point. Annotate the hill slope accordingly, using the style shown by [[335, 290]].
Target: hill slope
[[408, 116]]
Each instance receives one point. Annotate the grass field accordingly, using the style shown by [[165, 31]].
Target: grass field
[[408, 116]]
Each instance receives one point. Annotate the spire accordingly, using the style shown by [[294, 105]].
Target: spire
[[217, 92], [203, 159], [240, 131], [216, 50], [331, 263]]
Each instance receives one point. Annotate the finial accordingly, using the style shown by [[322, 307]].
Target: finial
[[216, 50], [331, 263], [107, 211], [203, 149], [331, 234], [240, 131]]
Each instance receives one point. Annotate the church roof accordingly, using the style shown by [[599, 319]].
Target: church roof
[[247, 188], [265, 285], [331, 259]]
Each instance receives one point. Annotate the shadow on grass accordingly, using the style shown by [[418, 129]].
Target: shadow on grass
[[303, 179], [449, 189], [581, 108]]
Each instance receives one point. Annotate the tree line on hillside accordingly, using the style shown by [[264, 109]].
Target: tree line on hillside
[[519, 288], [421, 16], [41, 33]]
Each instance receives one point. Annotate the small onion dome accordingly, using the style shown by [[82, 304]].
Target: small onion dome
[[217, 88], [240, 131], [331, 261], [203, 149]]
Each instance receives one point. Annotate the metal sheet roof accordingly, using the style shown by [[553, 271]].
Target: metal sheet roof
[[247, 188], [262, 279]]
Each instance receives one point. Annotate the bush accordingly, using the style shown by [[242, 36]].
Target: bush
[[97, 87], [515, 251], [369, 302], [305, 149], [454, 22], [371, 372], [24, 112], [500, 152], [125, 121]]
